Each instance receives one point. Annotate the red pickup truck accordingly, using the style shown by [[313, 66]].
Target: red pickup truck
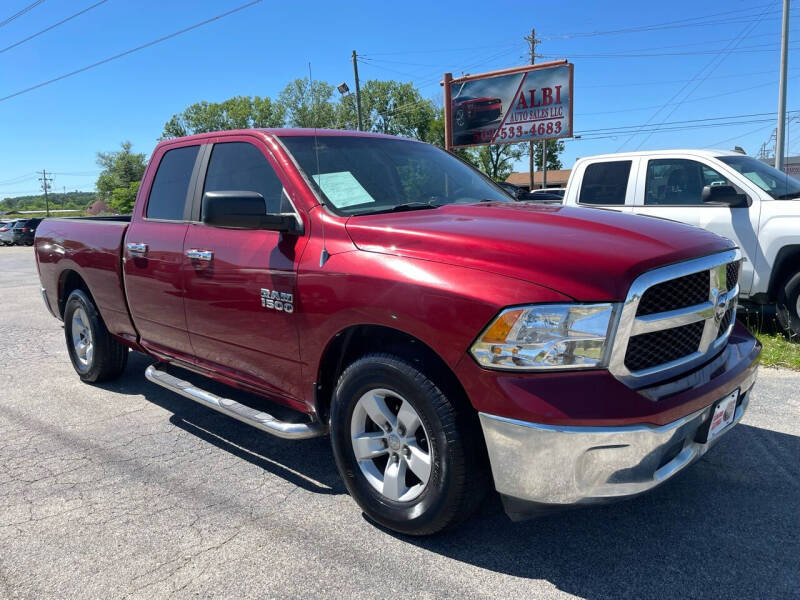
[[446, 336]]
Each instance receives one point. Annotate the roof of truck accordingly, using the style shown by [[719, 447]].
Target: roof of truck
[[285, 132], [707, 152]]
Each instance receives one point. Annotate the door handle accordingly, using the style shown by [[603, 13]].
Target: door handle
[[196, 254], [136, 248]]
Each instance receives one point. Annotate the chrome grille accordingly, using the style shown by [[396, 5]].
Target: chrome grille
[[675, 293], [675, 317], [650, 349]]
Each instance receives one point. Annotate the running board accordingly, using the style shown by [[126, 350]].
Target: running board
[[258, 419]]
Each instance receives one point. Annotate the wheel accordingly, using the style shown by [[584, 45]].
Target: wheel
[[94, 352], [788, 309], [411, 460]]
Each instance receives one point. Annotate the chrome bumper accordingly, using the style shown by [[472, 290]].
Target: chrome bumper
[[47, 302], [564, 466]]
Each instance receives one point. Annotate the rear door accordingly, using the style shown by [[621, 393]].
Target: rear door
[[671, 187], [153, 252], [608, 183], [241, 295]]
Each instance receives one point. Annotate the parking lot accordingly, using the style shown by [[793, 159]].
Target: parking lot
[[126, 490]]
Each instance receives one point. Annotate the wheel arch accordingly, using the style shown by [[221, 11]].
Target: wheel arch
[[355, 341], [787, 263], [69, 281]]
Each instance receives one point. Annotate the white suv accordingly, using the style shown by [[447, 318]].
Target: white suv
[[729, 193]]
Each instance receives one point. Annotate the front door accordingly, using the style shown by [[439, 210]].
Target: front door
[[153, 254], [672, 190], [241, 284]]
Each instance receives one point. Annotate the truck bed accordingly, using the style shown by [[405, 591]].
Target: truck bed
[[89, 248]]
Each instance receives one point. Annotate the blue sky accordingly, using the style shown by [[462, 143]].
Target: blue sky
[[711, 59]]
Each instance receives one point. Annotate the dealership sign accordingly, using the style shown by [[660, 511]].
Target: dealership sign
[[514, 105]]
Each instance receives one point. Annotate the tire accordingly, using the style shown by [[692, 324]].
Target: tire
[[95, 354], [457, 473], [788, 309]]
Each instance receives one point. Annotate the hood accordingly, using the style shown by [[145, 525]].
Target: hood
[[587, 253]]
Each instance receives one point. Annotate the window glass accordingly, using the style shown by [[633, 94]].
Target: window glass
[[777, 184], [241, 167], [168, 193], [678, 182], [605, 183], [361, 175]]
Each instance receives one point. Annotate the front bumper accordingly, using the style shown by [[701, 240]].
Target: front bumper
[[538, 466]]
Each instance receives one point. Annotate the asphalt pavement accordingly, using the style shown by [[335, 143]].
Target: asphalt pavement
[[127, 490]]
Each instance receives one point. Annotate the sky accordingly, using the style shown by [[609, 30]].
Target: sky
[[662, 68]]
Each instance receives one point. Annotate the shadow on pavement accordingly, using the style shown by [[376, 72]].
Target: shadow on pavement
[[725, 528], [307, 464]]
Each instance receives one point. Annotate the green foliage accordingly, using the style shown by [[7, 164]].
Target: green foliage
[[123, 198], [554, 150], [497, 161], [309, 106], [122, 172], [70, 201], [239, 112]]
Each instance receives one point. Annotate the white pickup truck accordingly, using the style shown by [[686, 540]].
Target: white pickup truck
[[729, 193]]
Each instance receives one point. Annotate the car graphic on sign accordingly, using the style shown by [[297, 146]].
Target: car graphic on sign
[[469, 112]]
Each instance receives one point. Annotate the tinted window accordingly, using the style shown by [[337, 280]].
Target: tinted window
[[168, 194], [605, 183], [241, 167], [678, 182]]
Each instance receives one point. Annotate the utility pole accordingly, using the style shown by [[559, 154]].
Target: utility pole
[[358, 90], [46, 181], [780, 137], [532, 40]]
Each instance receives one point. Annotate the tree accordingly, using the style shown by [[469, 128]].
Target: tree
[[239, 112], [309, 106], [497, 160], [121, 169], [554, 150], [393, 108]]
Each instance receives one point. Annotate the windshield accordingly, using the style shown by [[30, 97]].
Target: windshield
[[776, 183], [363, 175]]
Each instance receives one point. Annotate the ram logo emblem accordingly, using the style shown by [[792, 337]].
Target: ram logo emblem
[[276, 300]]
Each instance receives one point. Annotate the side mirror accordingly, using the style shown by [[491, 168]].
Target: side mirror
[[724, 194], [245, 210]]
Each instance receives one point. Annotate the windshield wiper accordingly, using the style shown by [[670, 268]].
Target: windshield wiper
[[788, 196], [406, 206]]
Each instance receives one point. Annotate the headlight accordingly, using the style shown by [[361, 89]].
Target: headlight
[[547, 336]]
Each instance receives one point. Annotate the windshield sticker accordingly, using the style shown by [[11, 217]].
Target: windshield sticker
[[343, 189]]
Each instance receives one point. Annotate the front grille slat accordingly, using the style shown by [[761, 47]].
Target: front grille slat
[[676, 293], [653, 349], [659, 347]]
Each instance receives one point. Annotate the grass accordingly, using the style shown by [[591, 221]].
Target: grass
[[780, 349]]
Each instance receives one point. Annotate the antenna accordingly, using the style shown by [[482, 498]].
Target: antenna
[[323, 256]]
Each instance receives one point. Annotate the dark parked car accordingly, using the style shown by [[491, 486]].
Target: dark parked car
[[513, 190], [24, 230]]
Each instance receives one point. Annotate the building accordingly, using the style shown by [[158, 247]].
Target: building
[[555, 179]]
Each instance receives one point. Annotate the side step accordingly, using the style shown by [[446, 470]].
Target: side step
[[258, 419]]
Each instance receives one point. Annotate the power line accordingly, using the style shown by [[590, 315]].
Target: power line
[[132, 50], [699, 21], [18, 14], [53, 26], [705, 72]]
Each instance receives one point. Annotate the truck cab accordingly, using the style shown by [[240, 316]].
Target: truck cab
[[726, 192]]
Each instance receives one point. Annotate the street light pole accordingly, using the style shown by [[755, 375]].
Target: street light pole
[[780, 136]]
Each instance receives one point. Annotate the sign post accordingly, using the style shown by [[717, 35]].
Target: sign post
[[521, 104]]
